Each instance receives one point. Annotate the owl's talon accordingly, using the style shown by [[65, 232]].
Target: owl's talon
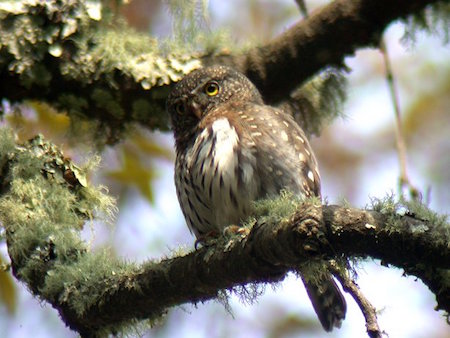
[[235, 230], [206, 240]]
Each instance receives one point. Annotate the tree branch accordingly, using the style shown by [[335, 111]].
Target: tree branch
[[95, 293], [323, 39], [369, 312], [59, 53]]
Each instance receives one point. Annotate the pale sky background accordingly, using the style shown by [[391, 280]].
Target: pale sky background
[[146, 231]]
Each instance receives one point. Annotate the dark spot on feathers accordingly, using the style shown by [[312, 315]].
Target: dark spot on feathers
[[233, 198], [198, 196], [203, 181]]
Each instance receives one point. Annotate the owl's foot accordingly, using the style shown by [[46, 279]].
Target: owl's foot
[[230, 231], [207, 239], [233, 230]]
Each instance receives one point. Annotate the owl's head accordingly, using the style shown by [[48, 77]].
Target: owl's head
[[202, 91]]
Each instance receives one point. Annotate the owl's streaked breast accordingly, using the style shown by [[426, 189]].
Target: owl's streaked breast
[[218, 182]]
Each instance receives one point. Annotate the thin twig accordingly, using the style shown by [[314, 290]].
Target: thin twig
[[404, 181], [368, 310], [302, 6]]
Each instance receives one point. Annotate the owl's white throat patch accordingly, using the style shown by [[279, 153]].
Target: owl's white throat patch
[[215, 148], [226, 140]]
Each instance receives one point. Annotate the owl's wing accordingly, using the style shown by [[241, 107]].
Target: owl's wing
[[284, 157]]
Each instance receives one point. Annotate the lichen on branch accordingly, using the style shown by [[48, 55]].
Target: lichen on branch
[[71, 55], [67, 54]]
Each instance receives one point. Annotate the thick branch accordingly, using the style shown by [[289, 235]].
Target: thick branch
[[323, 39], [117, 76], [269, 251], [95, 292]]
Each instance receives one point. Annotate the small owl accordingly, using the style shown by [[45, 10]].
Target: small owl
[[232, 150]]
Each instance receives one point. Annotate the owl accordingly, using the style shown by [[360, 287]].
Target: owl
[[233, 150]]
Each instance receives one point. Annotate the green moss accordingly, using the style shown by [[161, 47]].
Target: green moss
[[386, 205], [134, 54], [314, 271], [42, 215], [284, 205], [96, 201], [73, 103], [39, 75], [105, 100], [89, 280], [29, 30], [421, 211], [7, 146], [28, 166], [319, 101], [68, 40], [36, 210], [141, 109], [396, 210], [433, 222], [41, 210]]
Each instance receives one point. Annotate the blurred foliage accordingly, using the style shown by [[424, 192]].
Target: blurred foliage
[[8, 294], [319, 101], [134, 173], [37, 117], [435, 19], [189, 17], [289, 325], [136, 167], [428, 110], [191, 31], [346, 154]]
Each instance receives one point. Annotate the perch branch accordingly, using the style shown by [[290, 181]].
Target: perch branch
[[324, 39], [94, 293]]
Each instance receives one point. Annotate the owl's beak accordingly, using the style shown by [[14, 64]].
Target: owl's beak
[[195, 108]]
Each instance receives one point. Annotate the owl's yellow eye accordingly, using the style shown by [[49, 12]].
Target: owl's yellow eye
[[211, 88]]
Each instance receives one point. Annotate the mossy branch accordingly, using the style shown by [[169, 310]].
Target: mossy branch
[[45, 202], [63, 53]]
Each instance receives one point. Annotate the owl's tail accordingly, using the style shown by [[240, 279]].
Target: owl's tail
[[328, 301]]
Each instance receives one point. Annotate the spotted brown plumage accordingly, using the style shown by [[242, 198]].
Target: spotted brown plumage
[[232, 150]]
